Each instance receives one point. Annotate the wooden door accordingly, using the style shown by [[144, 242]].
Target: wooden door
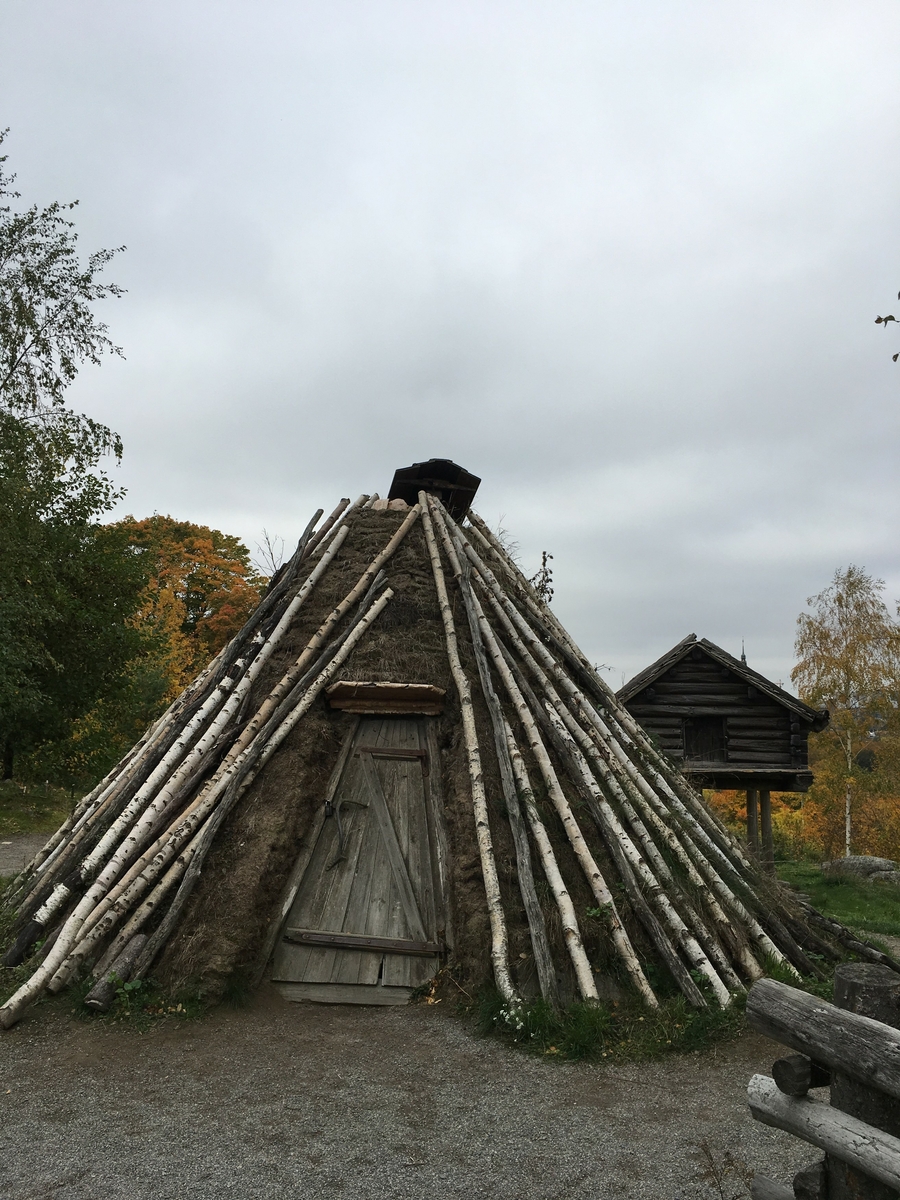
[[364, 926]]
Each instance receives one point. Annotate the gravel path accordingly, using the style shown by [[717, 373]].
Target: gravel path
[[282, 1100], [16, 852]]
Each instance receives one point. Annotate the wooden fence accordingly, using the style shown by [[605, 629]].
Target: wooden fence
[[851, 1046]]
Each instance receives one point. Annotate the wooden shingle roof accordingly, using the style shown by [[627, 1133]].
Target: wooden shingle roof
[[816, 718]]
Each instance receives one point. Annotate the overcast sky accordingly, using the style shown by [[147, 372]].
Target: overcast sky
[[621, 260]]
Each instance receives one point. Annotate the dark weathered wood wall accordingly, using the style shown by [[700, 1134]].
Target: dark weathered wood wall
[[760, 733]]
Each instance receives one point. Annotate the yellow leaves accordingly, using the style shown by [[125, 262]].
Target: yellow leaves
[[200, 591]]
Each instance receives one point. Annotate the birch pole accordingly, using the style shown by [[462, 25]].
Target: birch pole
[[499, 937], [603, 774], [12, 1010], [598, 884], [517, 627], [291, 680], [619, 843], [547, 620], [534, 915], [568, 920], [236, 763], [700, 820], [129, 842]]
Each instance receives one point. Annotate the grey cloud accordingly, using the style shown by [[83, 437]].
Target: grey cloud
[[622, 260]]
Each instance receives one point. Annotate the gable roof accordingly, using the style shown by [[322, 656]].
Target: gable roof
[[817, 718]]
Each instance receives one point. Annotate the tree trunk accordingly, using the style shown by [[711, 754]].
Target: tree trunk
[[765, 829], [848, 796], [753, 820]]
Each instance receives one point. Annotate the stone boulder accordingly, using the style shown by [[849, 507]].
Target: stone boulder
[[865, 867]]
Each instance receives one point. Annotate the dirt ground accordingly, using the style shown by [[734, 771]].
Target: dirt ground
[[281, 1100]]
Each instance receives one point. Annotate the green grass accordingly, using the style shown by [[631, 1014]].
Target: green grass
[[873, 907], [621, 1031], [31, 808]]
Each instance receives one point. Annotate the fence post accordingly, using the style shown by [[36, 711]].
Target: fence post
[[871, 991]]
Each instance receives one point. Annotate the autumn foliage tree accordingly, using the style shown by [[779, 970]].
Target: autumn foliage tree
[[196, 589], [848, 661], [201, 588]]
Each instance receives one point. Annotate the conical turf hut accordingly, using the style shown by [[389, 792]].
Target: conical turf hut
[[403, 761]]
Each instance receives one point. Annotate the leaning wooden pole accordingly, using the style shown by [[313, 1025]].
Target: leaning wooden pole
[[653, 807], [584, 975], [533, 912], [499, 935], [598, 884], [59, 957]]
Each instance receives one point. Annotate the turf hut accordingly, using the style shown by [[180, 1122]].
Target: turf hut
[[401, 763]]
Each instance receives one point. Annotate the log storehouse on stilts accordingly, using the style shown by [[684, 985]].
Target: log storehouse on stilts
[[403, 762], [727, 726]]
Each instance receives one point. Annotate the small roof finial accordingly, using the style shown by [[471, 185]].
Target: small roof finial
[[743, 653]]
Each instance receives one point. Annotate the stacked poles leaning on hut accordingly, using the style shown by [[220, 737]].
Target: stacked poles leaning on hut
[[109, 888]]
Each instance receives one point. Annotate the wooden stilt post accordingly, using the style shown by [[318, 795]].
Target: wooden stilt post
[[753, 820], [765, 829]]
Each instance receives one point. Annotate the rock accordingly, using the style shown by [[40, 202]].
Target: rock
[[886, 876], [861, 865]]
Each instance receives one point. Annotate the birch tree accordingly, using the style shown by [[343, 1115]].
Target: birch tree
[[848, 661]]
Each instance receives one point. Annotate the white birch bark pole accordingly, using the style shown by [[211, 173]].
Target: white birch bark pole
[[592, 872], [33, 987], [603, 736], [605, 775], [652, 889], [142, 914], [615, 835], [600, 769], [499, 937], [145, 746], [537, 927], [61, 893], [82, 810], [635, 734], [143, 811], [208, 810], [281, 689], [569, 921], [95, 801], [689, 854], [322, 543], [549, 663], [251, 732], [689, 829], [626, 732], [322, 533], [321, 635], [129, 844], [701, 871], [515, 624], [223, 773]]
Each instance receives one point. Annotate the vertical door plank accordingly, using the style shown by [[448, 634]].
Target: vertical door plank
[[382, 816]]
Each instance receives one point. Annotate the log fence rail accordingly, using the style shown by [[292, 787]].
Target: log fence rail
[[851, 1046]]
